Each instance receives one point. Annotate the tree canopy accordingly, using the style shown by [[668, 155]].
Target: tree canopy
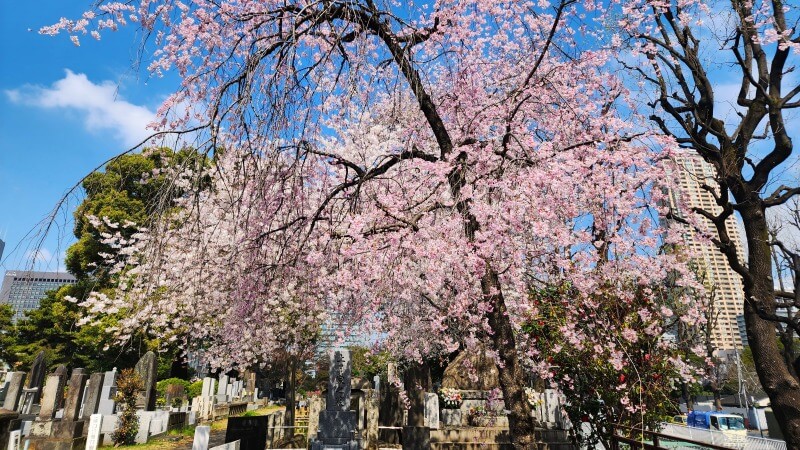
[[419, 168], [129, 190]]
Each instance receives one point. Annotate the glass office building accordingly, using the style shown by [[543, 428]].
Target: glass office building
[[23, 290]]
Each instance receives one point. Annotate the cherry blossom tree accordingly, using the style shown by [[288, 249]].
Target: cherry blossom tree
[[687, 55], [416, 169]]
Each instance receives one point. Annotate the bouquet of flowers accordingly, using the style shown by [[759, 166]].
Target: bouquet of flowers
[[450, 398]]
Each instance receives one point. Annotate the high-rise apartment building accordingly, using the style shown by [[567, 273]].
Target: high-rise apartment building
[[23, 290], [693, 174]]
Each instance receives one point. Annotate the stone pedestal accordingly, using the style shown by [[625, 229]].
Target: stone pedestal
[[451, 417], [57, 435], [416, 438]]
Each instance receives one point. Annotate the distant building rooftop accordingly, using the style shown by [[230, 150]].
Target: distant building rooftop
[[23, 290]]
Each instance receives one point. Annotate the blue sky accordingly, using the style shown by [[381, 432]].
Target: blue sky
[[66, 109], [63, 111]]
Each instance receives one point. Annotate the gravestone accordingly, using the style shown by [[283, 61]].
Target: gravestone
[[61, 372], [250, 431], [172, 392], [107, 405], [432, 410], [208, 387], [373, 409], [4, 388], [93, 435], [337, 424], [14, 439], [94, 389], [52, 394], [143, 432], [36, 378], [250, 378], [16, 381], [72, 406], [222, 389], [146, 368], [201, 436]]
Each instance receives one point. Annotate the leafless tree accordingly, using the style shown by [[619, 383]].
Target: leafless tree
[[749, 151]]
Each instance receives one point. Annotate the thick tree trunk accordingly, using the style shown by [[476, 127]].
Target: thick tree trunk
[[687, 396], [512, 377], [290, 389], [782, 388], [717, 398]]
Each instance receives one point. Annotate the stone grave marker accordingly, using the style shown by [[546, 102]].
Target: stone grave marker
[[208, 387], [337, 424], [146, 368], [144, 427], [222, 389], [93, 436], [14, 439], [172, 392], [107, 405], [91, 399], [431, 410], [201, 435], [16, 381], [250, 431], [72, 406], [551, 404], [37, 375], [4, 388], [52, 395]]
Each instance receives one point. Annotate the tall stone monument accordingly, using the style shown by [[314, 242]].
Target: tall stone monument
[[338, 426], [36, 378], [146, 368]]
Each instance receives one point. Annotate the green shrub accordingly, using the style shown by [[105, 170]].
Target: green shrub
[[194, 389], [129, 384]]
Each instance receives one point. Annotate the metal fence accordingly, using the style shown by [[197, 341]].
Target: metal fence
[[716, 437]]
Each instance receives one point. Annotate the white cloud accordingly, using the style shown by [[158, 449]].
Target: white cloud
[[44, 259], [101, 107]]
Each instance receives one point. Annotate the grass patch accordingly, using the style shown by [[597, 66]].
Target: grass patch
[[182, 437]]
